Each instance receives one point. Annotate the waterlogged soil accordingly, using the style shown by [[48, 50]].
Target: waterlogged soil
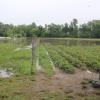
[[62, 86], [59, 86]]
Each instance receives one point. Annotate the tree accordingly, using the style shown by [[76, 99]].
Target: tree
[[73, 28], [65, 29], [86, 30]]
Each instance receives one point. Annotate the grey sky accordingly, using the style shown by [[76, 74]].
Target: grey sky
[[48, 11]]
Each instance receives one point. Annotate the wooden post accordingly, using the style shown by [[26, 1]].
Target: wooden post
[[99, 74], [32, 50], [34, 44], [98, 71], [33, 54]]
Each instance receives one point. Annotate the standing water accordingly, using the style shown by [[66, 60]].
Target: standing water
[[4, 73]]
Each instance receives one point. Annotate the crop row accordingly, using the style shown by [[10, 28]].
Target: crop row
[[73, 60], [59, 61], [90, 56]]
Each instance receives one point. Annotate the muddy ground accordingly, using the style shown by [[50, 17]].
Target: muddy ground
[[62, 86], [59, 86]]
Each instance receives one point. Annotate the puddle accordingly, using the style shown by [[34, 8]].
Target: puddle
[[18, 49], [26, 47], [4, 73], [89, 72], [5, 38], [29, 46]]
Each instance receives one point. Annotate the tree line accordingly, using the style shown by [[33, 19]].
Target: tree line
[[90, 29]]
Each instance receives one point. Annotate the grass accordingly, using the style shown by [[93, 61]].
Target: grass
[[13, 88], [19, 61], [45, 61], [20, 86]]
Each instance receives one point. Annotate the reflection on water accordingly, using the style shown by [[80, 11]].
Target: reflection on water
[[71, 42], [66, 41], [20, 41]]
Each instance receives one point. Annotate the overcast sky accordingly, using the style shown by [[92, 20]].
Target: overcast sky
[[48, 11]]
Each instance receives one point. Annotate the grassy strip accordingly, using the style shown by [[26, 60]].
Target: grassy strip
[[45, 61], [60, 61], [22, 61]]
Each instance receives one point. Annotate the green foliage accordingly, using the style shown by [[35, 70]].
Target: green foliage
[[60, 61], [44, 60], [88, 56], [19, 61], [73, 60], [87, 30]]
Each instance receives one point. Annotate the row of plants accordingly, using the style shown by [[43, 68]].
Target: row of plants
[[88, 55], [59, 61], [73, 60]]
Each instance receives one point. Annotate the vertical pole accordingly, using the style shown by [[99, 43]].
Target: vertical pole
[[33, 42], [99, 74], [32, 50]]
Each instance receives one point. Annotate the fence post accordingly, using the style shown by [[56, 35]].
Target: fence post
[[99, 74], [32, 50], [34, 41], [34, 46]]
